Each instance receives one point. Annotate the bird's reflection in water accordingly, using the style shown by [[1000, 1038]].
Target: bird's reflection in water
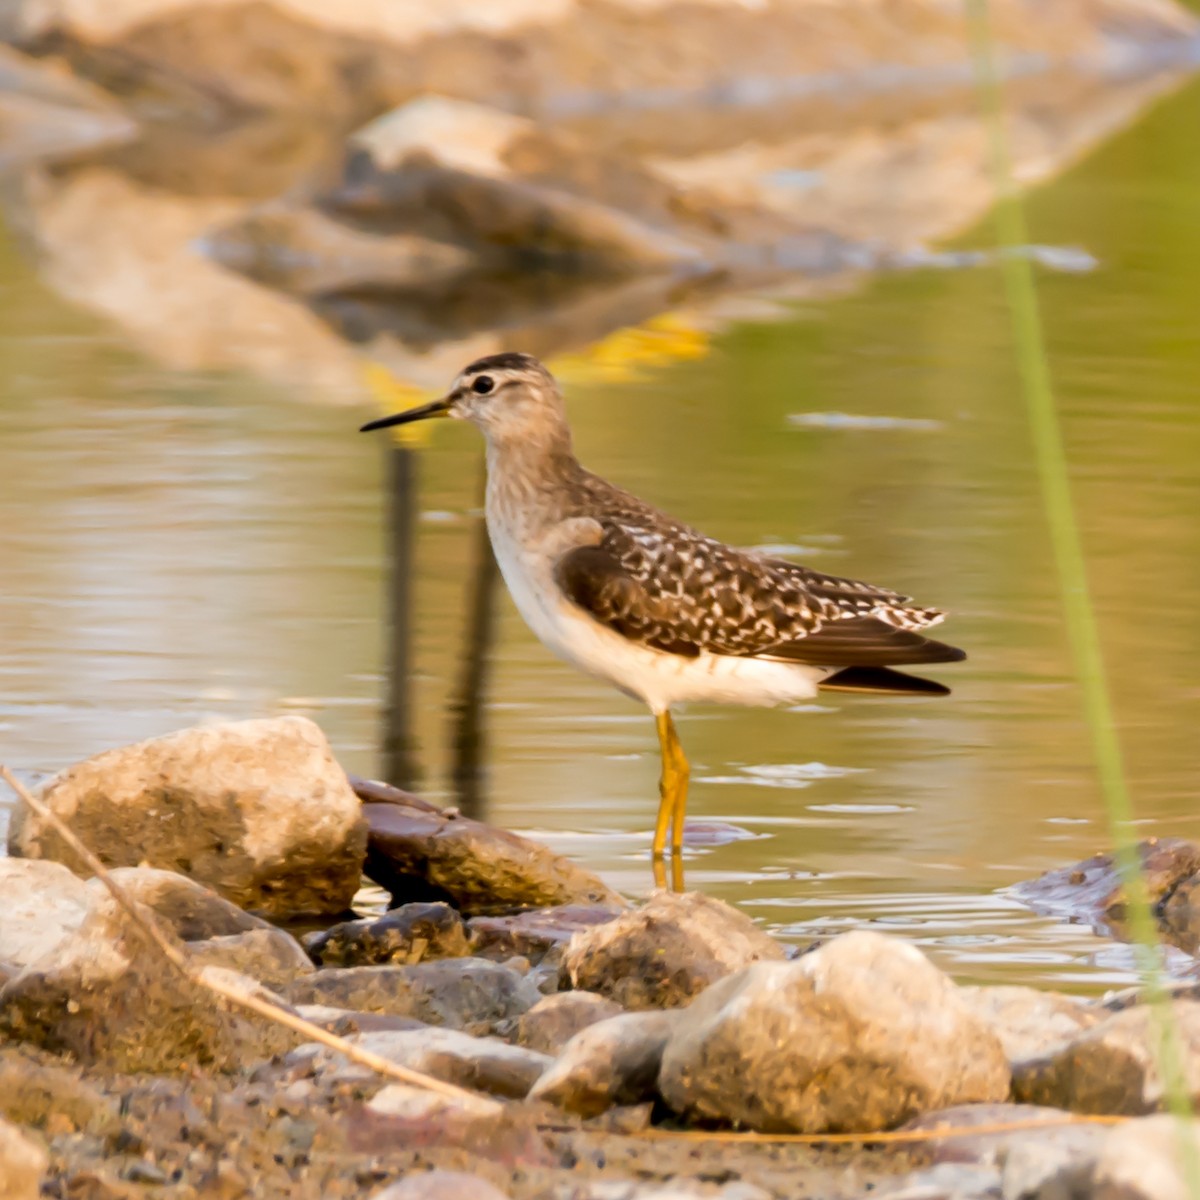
[[467, 728]]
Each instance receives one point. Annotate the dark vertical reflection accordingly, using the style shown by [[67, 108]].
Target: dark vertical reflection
[[399, 749], [467, 730]]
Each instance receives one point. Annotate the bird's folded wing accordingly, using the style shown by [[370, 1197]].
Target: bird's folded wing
[[706, 598]]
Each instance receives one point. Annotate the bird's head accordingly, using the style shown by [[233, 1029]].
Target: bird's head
[[509, 396]]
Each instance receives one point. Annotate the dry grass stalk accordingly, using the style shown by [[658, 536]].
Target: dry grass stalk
[[148, 926]]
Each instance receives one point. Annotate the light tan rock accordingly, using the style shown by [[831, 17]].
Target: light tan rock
[[142, 269], [615, 1061], [190, 910], [1147, 1160], [459, 993], [23, 1164], [554, 1020], [260, 810], [1028, 1022], [484, 1064], [483, 869], [860, 1034], [43, 904], [104, 996], [1113, 1067], [440, 1185], [271, 956], [665, 952]]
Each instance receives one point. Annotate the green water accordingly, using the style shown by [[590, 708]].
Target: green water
[[178, 544]]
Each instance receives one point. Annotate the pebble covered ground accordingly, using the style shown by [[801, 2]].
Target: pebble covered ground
[[593, 1049]]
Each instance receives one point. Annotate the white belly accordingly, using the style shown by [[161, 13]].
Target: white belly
[[659, 680]]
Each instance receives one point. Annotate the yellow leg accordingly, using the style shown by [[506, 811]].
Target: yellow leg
[[659, 867], [672, 787], [682, 774], [676, 873]]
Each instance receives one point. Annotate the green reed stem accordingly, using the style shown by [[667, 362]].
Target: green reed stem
[[1082, 629]]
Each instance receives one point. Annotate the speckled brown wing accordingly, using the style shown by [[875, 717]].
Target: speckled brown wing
[[662, 584]]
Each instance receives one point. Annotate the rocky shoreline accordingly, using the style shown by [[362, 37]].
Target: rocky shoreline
[[585, 1047], [288, 195]]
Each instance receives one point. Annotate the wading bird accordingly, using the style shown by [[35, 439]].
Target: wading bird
[[657, 609]]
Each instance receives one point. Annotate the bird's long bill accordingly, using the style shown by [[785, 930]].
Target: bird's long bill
[[438, 408]]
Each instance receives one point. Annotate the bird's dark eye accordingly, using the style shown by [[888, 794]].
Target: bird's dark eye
[[482, 385]]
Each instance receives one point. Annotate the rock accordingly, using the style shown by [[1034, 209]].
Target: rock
[[258, 809], [293, 54], [191, 910], [43, 904], [479, 868], [555, 1020], [1180, 915], [1028, 1022], [105, 997], [45, 111], [861, 1034], [345, 1021], [1173, 989], [1112, 1067], [407, 934], [1092, 890], [536, 933], [1145, 1160], [612, 1062], [1034, 1169], [440, 1185], [403, 1100], [946, 1181], [485, 1064], [665, 952], [23, 1164], [50, 1096], [271, 956], [986, 1135], [462, 993], [505, 186], [676, 1189]]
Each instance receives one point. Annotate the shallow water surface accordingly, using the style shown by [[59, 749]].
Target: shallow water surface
[[177, 545]]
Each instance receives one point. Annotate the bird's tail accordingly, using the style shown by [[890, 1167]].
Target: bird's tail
[[882, 681]]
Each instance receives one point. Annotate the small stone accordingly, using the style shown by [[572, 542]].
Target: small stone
[[258, 809], [485, 1064], [666, 952], [1028, 1022], [555, 1020], [23, 1164], [615, 1061], [478, 867], [537, 932], [1145, 1160], [409, 934], [440, 1185], [459, 993], [1112, 1068], [271, 956], [861, 1034]]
